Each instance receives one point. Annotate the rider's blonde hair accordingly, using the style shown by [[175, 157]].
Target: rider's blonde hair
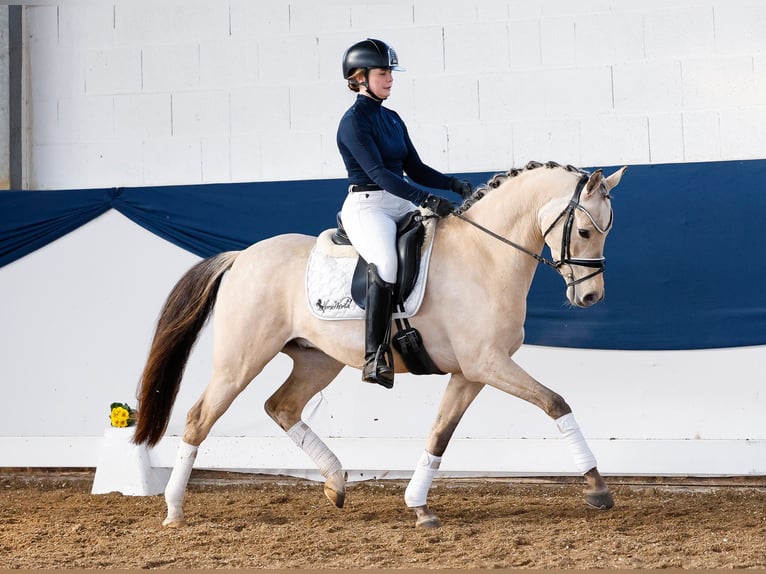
[[355, 78]]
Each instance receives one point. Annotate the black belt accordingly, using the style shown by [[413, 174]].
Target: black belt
[[356, 188]]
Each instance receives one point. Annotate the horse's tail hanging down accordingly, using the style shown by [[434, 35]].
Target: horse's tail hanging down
[[182, 317]]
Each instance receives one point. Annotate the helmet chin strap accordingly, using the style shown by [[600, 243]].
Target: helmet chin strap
[[372, 94], [368, 90]]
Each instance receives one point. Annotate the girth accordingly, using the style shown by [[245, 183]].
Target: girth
[[410, 232]]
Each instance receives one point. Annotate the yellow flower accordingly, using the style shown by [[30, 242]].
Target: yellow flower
[[121, 415]]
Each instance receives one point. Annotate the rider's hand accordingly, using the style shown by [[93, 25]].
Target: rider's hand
[[438, 205], [463, 188]]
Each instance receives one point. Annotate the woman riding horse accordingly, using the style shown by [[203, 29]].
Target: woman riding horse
[[489, 250], [377, 151]]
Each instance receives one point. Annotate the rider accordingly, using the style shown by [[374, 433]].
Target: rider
[[377, 151]]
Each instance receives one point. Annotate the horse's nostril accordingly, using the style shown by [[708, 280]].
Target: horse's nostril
[[590, 299]]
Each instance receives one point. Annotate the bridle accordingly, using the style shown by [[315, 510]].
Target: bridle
[[568, 213]]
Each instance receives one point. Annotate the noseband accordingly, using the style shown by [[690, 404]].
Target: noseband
[[568, 213]]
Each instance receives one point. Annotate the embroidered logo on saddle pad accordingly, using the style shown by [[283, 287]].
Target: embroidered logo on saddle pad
[[329, 272]]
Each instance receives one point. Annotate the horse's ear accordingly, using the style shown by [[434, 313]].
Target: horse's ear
[[594, 181], [615, 178]]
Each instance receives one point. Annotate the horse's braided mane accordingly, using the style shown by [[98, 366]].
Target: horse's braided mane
[[500, 178]]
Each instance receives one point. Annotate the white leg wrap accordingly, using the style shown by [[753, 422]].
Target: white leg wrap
[[416, 493], [179, 477], [313, 446], [583, 457]]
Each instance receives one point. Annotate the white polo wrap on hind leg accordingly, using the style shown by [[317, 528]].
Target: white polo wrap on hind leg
[[416, 493], [570, 431], [179, 477], [313, 446]]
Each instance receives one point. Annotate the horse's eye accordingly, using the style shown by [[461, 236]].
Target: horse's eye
[[584, 233]]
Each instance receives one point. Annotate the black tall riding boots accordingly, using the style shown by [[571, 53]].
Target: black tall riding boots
[[378, 358]]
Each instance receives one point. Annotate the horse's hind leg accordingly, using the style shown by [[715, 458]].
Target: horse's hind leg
[[216, 398], [312, 372], [459, 394], [232, 372]]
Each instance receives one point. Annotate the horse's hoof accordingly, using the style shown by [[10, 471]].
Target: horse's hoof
[[599, 500], [335, 488], [431, 522], [337, 498], [174, 522], [426, 518]]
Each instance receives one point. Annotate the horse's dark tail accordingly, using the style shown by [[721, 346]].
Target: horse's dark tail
[[182, 317]]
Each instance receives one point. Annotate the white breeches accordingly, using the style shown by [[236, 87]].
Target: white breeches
[[369, 218]]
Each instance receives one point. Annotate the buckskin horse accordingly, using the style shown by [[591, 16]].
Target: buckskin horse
[[488, 249]]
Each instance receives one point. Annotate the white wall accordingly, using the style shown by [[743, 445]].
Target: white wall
[[149, 93], [193, 92]]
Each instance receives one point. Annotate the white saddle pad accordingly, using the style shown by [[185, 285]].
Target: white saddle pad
[[329, 271]]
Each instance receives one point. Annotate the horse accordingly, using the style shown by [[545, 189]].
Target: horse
[[487, 250]]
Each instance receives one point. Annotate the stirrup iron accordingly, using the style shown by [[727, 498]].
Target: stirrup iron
[[378, 368]]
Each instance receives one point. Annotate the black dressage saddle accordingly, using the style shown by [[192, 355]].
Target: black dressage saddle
[[408, 342], [410, 232]]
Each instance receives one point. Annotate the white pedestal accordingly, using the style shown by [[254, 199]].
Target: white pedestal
[[124, 467]]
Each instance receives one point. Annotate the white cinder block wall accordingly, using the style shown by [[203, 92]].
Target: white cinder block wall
[[152, 93]]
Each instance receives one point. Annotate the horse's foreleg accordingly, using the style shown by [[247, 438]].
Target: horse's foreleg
[[312, 372], [597, 493], [459, 394], [519, 383]]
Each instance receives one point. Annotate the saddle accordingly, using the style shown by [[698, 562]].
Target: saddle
[[410, 232], [407, 341]]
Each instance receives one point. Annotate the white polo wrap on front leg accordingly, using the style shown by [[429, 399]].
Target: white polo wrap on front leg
[[179, 477], [583, 457], [416, 493], [313, 446]]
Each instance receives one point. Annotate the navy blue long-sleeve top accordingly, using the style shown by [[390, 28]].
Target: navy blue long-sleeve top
[[377, 150]]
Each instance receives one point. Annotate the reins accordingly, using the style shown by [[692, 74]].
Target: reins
[[521, 248], [566, 256]]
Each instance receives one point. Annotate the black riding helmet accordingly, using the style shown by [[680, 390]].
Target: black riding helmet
[[369, 53]]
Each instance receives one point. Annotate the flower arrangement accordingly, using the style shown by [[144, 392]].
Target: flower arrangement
[[122, 415]]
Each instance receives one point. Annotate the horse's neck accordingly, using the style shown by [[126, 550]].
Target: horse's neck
[[514, 207], [512, 211]]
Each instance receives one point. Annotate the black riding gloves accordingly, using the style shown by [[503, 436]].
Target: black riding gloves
[[438, 205], [463, 188]]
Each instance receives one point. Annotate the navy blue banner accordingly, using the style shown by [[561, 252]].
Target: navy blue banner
[[683, 260], [683, 267]]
